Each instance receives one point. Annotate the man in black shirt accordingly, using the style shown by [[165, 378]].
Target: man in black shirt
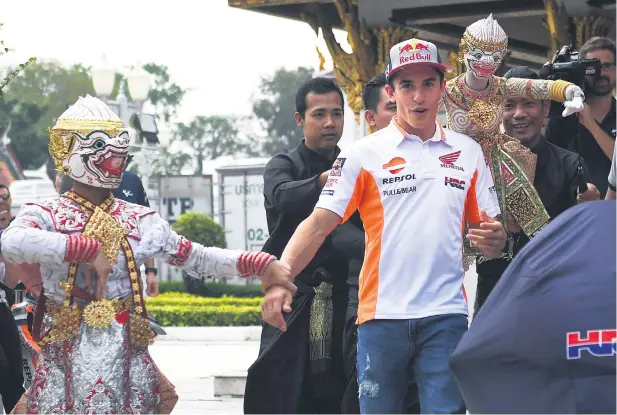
[[300, 370], [556, 178], [597, 121]]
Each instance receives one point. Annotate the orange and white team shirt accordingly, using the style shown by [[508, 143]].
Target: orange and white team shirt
[[413, 198]]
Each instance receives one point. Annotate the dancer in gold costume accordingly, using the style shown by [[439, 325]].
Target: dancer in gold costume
[[474, 104], [93, 330]]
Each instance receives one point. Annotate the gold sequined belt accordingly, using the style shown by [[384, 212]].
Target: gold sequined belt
[[97, 314]]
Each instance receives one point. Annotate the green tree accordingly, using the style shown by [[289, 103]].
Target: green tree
[[275, 107], [51, 86], [20, 119], [165, 95], [209, 138], [13, 72], [170, 164], [204, 230]]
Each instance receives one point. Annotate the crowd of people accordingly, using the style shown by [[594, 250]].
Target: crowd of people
[[363, 270]]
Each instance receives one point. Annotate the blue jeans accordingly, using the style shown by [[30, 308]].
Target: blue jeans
[[390, 351]]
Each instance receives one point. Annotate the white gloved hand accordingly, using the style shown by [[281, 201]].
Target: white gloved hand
[[574, 100]]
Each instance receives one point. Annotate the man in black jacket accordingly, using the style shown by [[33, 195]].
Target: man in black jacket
[[556, 179], [300, 370], [349, 239]]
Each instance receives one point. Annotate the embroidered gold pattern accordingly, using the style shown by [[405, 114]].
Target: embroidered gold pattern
[[105, 229], [100, 314], [320, 326], [511, 164]]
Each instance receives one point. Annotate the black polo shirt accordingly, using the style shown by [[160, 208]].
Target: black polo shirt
[[562, 132]]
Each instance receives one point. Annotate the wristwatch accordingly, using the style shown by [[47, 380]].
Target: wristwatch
[[151, 270]]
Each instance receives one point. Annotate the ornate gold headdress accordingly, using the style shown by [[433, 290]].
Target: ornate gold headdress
[[485, 34], [86, 115]]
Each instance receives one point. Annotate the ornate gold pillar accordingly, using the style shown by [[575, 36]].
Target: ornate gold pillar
[[567, 30], [370, 47]]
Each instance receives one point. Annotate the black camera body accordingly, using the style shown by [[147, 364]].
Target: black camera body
[[568, 66]]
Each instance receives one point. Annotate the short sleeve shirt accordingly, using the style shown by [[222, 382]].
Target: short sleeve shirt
[[414, 198]]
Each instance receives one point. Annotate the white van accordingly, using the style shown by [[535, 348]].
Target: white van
[[24, 191]]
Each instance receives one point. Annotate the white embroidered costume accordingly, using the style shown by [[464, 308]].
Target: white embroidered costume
[[94, 354]]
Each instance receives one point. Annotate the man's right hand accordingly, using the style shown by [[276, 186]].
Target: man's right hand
[[276, 300], [102, 267]]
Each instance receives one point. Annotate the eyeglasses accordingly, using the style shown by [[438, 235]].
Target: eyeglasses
[[608, 66], [5, 197]]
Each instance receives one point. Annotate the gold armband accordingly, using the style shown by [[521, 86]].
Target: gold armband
[[557, 90]]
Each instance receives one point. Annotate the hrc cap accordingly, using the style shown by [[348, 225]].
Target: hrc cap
[[413, 52]]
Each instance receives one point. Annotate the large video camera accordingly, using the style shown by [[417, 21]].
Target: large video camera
[[568, 66]]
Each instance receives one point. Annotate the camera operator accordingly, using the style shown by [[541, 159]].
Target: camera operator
[[556, 180], [597, 120]]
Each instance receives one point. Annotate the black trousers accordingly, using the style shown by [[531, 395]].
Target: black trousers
[[486, 283], [351, 399], [11, 364]]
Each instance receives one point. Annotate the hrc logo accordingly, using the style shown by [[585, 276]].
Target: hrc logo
[[456, 183], [599, 343]]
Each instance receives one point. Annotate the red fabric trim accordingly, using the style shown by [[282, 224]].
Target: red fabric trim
[[81, 249], [253, 263], [185, 247]]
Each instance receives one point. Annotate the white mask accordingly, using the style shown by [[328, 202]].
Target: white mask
[[90, 144], [483, 47]]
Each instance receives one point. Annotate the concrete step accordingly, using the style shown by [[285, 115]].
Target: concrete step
[[212, 334], [229, 385]]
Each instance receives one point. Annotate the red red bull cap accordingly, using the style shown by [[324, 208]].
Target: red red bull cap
[[413, 52]]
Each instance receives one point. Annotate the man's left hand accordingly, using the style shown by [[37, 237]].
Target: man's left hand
[[152, 285], [277, 273], [592, 193], [490, 238]]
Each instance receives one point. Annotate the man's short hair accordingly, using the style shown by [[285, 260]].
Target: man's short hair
[[372, 91], [597, 43], [318, 86], [393, 77], [522, 72]]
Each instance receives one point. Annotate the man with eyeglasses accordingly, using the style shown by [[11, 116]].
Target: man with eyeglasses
[[597, 120]]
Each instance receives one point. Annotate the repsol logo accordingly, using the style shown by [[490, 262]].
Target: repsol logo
[[391, 180]]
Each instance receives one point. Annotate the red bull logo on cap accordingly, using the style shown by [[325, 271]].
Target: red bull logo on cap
[[414, 51]]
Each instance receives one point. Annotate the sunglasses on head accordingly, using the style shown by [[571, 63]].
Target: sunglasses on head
[[5, 197]]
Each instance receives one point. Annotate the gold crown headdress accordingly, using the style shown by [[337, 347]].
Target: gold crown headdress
[[485, 34], [86, 115]]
